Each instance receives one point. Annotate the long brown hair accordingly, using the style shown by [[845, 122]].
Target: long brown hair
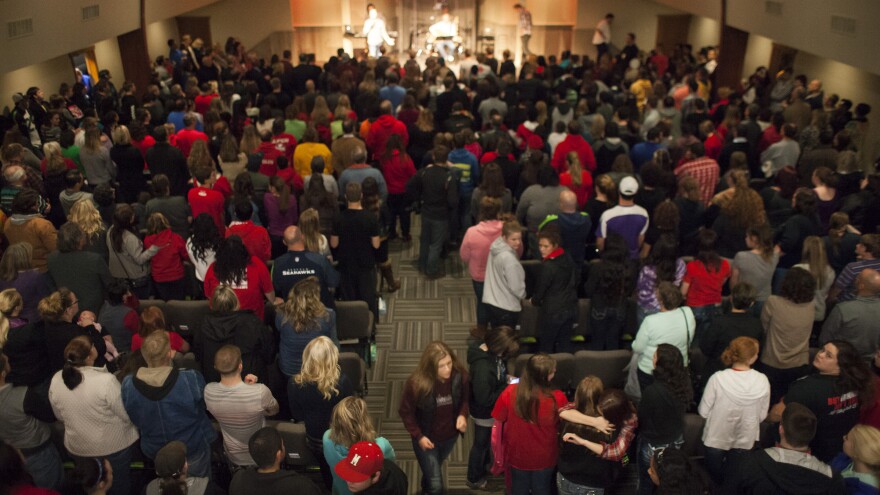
[[283, 191], [814, 255], [534, 385], [423, 378], [745, 208]]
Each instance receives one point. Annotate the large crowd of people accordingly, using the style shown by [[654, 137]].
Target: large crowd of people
[[718, 232]]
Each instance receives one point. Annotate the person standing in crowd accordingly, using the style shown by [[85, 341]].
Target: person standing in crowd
[[438, 191], [858, 462], [505, 283], [626, 218], [703, 282], [375, 475], [474, 251], [602, 36], [674, 325], [555, 294], [756, 266], [525, 27], [527, 412], [356, 237], [434, 409], [734, 403], [487, 361]]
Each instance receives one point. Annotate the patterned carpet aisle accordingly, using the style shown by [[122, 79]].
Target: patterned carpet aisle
[[420, 312]]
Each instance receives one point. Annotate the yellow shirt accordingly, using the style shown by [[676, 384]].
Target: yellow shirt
[[302, 158], [641, 89]]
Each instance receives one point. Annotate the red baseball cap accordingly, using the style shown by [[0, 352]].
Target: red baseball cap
[[363, 461]]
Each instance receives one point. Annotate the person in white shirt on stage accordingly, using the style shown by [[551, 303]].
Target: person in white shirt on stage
[[602, 36], [374, 30], [443, 34], [525, 27]]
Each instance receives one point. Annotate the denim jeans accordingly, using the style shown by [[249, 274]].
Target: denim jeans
[[46, 468], [431, 463], [502, 317], [482, 312], [642, 313], [555, 332], [605, 327], [538, 482], [199, 463], [703, 315], [566, 487], [645, 452], [434, 234], [479, 457], [121, 463], [720, 461]]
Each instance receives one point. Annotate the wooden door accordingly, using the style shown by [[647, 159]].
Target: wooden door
[[135, 58], [781, 57], [672, 30], [731, 57], [196, 27]]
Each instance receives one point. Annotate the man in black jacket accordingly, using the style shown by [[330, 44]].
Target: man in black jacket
[[267, 449], [445, 100], [555, 293], [437, 188], [788, 467], [166, 159]]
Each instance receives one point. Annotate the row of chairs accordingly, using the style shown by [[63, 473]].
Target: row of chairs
[[572, 368], [529, 327]]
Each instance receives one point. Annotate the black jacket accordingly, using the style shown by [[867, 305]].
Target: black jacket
[[392, 481], [249, 481], [488, 379], [791, 235], [163, 158], [240, 328], [437, 189], [759, 473], [556, 290], [28, 356]]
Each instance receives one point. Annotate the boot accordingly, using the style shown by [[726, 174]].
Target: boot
[[479, 332], [392, 285]]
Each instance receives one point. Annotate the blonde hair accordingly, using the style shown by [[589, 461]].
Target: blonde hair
[[343, 107], [320, 365], [157, 223], [865, 441], [92, 140], [574, 168], [224, 299], [351, 423], [814, 255], [199, 156], [87, 217], [310, 226], [250, 140], [10, 299], [155, 349], [53, 306], [303, 307], [18, 257], [121, 135]]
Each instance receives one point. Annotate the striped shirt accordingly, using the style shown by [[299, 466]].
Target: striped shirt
[[846, 280], [241, 411], [629, 222]]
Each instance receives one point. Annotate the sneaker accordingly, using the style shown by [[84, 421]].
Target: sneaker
[[480, 485]]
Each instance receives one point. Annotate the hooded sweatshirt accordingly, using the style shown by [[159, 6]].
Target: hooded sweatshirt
[[488, 379], [381, 130], [734, 404], [68, 198], [778, 471], [167, 264], [505, 278], [475, 247], [35, 230]]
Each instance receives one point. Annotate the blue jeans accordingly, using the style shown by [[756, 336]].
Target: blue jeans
[[567, 487], [434, 234], [46, 468], [720, 461], [703, 315], [642, 313], [605, 327], [479, 456], [535, 482], [199, 463], [645, 452], [431, 463], [555, 332], [482, 312]]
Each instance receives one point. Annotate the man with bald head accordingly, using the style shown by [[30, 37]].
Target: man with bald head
[[574, 227], [855, 321], [297, 264]]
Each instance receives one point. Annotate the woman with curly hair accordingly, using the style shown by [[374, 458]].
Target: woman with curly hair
[[788, 321], [300, 319], [434, 408], [202, 245], [313, 393], [350, 423], [662, 408], [664, 220], [741, 207], [246, 274], [661, 265], [842, 385], [86, 216]]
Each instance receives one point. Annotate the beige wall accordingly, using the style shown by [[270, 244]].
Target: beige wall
[[635, 16], [158, 34], [108, 57], [248, 20], [758, 53], [704, 32], [47, 75]]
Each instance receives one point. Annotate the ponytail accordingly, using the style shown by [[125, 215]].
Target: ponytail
[[75, 355], [172, 486]]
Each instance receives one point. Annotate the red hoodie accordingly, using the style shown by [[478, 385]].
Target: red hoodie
[[268, 166], [397, 172], [381, 130], [579, 145], [254, 237], [167, 265]]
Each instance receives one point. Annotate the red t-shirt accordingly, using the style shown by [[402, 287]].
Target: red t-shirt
[[285, 143], [186, 138], [268, 165], [705, 286], [254, 238], [251, 291], [530, 446], [176, 341], [204, 200], [203, 102], [167, 264]]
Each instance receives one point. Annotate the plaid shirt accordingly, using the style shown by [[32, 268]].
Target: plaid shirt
[[705, 170], [616, 450]]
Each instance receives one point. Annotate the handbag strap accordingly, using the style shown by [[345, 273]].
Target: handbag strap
[[118, 258], [687, 326]]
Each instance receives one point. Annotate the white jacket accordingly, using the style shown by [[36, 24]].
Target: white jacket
[[734, 404], [505, 283]]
